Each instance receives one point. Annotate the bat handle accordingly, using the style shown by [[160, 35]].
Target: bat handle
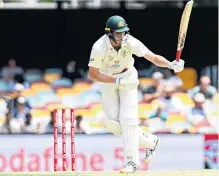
[[178, 54]]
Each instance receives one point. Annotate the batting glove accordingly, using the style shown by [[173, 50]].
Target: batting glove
[[176, 66]]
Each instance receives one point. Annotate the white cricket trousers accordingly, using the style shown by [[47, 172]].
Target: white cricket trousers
[[122, 105]]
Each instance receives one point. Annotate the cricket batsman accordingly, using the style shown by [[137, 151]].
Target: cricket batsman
[[112, 64]]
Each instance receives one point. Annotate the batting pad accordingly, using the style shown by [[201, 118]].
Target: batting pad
[[131, 143], [146, 140], [113, 126]]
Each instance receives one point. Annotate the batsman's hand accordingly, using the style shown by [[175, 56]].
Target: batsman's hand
[[124, 83], [177, 66]]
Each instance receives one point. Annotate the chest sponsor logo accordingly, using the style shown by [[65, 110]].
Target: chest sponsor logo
[[115, 66]]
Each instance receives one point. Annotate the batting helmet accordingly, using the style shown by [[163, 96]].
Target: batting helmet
[[117, 24]]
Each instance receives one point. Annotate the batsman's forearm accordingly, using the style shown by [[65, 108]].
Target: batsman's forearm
[[160, 61]]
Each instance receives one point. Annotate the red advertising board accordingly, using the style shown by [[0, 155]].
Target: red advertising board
[[211, 150]]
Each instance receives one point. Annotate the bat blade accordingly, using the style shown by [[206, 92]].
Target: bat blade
[[183, 28]]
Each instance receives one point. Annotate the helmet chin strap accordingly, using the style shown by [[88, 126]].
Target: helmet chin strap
[[110, 35]]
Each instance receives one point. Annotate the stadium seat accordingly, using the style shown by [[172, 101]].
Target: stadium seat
[[145, 81], [216, 99], [2, 120], [156, 124], [144, 110], [81, 86], [64, 91], [36, 113], [42, 98], [35, 102], [95, 86], [52, 106], [62, 83], [45, 93], [33, 71], [32, 77], [53, 70], [51, 77], [73, 101], [94, 124], [96, 108], [28, 92], [84, 112], [180, 127], [188, 77], [185, 99], [47, 97], [3, 87], [3, 108], [145, 129], [192, 130], [140, 96], [36, 87], [89, 97], [174, 118]]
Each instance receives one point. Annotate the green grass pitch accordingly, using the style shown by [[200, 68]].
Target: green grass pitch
[[210, 172]]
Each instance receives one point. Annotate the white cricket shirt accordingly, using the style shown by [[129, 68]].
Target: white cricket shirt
[[109, 61]]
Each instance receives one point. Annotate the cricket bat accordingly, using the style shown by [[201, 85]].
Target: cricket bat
[[183, 28]]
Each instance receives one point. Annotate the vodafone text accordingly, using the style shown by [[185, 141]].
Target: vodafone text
[[23, 160]]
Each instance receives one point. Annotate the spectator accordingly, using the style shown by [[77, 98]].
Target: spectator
[[174, 80], [154, 91], [6, 127], [11, 125], [18, 88], [159, 113], [79, 125], [72, 72], [8, 82], [49, 128], [205, 88], [143, 121], [170, 103], [21, 110], [12, 69], [28, 126], [197, 113], [19, 78]]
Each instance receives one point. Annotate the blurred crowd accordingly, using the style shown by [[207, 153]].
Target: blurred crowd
[[28, 98], [98, 3]]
